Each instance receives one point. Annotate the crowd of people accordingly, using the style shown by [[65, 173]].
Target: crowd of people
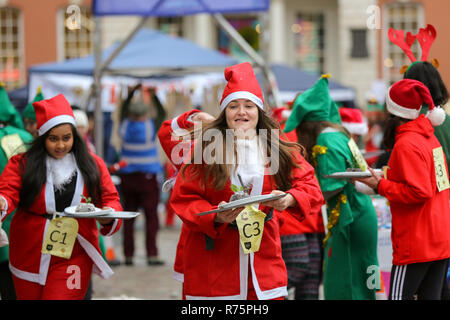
[[292, 225]]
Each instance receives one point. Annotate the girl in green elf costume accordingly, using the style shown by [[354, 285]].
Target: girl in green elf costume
[[13, 139], [350, 246]]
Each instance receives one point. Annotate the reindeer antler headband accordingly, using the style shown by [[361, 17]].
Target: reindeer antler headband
[[425, 36]]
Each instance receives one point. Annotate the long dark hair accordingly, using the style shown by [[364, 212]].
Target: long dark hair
[[34, 171], [426, 73], [308, 131], [217, 174], [391, 124]]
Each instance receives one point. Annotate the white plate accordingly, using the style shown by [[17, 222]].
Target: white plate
[[244, 202], [98, 212]]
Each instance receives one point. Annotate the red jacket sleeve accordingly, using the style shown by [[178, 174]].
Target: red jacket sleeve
[[110, 196], [174, 147], [410, 181], [10, 184], [305, 189]]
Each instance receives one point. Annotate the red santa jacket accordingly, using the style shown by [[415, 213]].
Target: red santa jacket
[[223, 271], [313, 223], [28, 228], [169, 142], [420, 213]]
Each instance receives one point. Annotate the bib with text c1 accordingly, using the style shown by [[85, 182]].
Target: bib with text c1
[[60, 237]]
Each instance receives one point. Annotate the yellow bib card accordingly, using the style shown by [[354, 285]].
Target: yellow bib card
[[362, 164], [60, 237], [12, 144], [250, 224], [440, 169]]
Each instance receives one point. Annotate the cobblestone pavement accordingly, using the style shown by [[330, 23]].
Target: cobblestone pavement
[[141, 281]]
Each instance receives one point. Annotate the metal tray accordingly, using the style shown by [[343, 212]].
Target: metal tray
[[243, 202]]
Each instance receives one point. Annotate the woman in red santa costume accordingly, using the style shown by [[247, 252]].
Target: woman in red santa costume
[[417, 187], [241, 148], [53, 257]]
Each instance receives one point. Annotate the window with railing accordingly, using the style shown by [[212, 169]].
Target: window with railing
[[78, 24], [171, 25], [407, 17], [11, 52], [309, 34]]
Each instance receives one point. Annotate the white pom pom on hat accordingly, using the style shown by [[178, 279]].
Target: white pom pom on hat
[[406, 97]]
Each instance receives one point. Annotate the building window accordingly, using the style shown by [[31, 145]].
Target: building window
[[309, 34], [11, 57], [359, 43], [78, 30], [171, 25], [407, 17], [248, 28]]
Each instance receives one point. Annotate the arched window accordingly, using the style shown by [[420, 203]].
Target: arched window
[[78, 26], [11, 49]]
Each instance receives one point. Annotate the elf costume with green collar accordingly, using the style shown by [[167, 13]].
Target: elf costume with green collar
[[350, 247], [11, 126]]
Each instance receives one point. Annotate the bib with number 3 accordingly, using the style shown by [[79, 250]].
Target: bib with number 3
[[440, 169], [60, 237], [250, 224], [362, 164]]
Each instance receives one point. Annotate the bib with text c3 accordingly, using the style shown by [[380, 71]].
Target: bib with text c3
[[362, 164], [250, 224], [440, 169], [60, 237]]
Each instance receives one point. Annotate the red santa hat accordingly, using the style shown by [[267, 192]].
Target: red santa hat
[[353, 120], [406, 97], [53, 112], [242, 84]]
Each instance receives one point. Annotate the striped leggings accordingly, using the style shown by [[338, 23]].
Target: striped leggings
[[424, 279]]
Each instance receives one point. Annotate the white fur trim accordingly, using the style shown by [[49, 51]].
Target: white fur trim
[[178, 276], [356, 128], [241, 95], [100, 266], [286, 114], [65, 118], [436, 116], [44, 264], [400, 111]]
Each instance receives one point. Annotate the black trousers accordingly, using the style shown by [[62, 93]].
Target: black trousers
[[7, 291], [422, 279]]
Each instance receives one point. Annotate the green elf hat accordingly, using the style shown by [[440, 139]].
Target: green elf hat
[[29, 113], [8, 113], [315, 104]]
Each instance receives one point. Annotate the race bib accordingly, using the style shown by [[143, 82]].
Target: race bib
[[250, 224], [362, 164], [440, 169], [60, 237], [12, 144]]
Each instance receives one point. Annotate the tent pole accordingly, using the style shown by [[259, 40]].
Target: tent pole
[[267, 72], [97, 88], [98, 72]]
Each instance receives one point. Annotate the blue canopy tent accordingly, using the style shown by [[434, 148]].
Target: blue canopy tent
[[148, 53], [292, 80], [175, 7]]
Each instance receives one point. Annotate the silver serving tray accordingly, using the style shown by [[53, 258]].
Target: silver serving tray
[[243, 202], [352, 174]]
